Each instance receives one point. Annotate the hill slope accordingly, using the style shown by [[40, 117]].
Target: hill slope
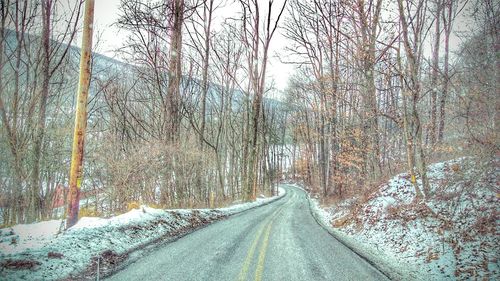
[[453, 235]]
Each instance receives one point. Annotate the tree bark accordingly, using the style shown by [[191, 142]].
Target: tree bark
[[447, 20], [34, 206], [175, 71], [435, 73]]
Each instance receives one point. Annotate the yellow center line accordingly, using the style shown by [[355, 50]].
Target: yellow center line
[[262, 251], [263, 248], [248, 259], [262, 254]]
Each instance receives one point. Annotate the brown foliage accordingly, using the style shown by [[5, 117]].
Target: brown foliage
[[54, 255], [20, 264]]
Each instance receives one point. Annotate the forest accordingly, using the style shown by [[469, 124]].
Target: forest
[[186, 115], [354, 139]]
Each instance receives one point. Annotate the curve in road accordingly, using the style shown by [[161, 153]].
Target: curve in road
[[278, 241]]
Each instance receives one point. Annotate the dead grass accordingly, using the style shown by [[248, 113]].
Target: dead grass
[[20, 264]]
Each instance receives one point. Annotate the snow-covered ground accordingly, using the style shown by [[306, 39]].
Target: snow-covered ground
[[40, 251], [453, 235]]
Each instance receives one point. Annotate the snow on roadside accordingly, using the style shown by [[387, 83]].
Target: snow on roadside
[[22, 237], [454, 235], [391, 267], [238, 208], [37, 252]]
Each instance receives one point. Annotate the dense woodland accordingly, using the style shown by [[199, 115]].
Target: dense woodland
[[184, 118]]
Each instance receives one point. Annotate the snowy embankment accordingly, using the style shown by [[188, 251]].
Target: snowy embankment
[[39, 252], [452, 235], [387, 264]]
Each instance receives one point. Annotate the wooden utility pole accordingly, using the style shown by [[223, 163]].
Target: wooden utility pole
[[76, 170]]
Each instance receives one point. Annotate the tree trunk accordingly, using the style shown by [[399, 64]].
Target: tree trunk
[[446, 72], [435, 73], [206, 55], [34, 206], [175, 72]]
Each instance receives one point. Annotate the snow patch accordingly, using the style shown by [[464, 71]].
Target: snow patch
[[452, 235], [24, 237], [41, 252]]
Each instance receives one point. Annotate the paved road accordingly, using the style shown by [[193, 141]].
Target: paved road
[[279, 241]]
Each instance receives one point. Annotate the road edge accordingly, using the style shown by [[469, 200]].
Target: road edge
[[276, 198], [375, 258], [140, 250]]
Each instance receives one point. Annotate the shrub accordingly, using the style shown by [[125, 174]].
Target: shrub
[[133, 205], [87, 212]]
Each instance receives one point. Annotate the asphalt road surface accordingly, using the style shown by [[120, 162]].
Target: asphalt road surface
[[278, 241]]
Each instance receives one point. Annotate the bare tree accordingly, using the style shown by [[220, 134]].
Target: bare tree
[[257, 74], [435, 70], [449, 13], [367, 17], [412, 14], [53, 56]]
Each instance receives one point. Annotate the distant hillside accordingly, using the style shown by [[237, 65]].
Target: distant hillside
[[104, 67]]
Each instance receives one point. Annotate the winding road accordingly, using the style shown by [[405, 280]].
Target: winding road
[[278, 241]]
